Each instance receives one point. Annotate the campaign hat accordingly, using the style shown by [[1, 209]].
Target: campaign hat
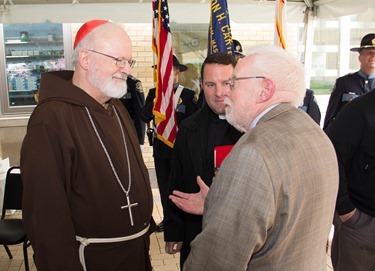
[[238, 48], [367, 42], [176, 64]]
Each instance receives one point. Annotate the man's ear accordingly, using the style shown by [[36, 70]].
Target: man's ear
[[83, 59], [267, 91]]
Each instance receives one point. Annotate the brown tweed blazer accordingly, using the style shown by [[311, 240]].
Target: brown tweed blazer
[[271, 206]]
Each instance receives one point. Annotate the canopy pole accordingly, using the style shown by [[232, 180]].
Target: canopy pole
[[310, 15], [344, 46]]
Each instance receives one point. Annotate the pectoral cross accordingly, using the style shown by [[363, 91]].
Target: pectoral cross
[[130, 206]]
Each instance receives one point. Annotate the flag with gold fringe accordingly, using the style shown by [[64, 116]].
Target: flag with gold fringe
[[219, 33], [165, 115]]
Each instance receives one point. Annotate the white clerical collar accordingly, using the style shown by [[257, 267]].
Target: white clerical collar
[[222, 116], [255, 121]]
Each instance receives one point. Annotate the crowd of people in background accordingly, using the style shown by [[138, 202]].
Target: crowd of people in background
[[271, 204]]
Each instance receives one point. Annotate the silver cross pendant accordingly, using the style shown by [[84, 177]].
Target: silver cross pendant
[[129, 206]]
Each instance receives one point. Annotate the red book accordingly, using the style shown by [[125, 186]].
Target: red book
[[220, 152]]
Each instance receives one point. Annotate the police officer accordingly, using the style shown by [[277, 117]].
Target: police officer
[[187, 105], [238, 52], [352, 85], [134, 100]]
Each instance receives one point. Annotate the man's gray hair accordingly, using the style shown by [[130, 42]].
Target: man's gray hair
[[283, 69]]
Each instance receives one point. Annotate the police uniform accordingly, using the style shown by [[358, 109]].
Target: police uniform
[[134, 100], [346, 89], [351, 85]]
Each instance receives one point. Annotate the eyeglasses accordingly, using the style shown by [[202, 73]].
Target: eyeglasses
[[120, 62], [233, 82]]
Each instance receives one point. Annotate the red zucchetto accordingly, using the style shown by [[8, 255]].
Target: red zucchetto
[[86, 28]]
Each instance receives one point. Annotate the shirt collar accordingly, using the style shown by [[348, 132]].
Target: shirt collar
[[255, 121], [365, 75]]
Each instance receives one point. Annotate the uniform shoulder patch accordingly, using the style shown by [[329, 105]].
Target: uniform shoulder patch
[[138, 85], [196, 97]]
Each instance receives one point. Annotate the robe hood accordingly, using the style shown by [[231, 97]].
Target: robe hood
[[58, 86]]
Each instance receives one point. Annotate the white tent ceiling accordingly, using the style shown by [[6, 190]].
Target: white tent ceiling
[[181, 11]]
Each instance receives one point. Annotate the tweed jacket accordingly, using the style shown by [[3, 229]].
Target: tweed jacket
[[271, 205]]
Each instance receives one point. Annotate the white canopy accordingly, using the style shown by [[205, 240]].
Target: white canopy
[[190, 11]]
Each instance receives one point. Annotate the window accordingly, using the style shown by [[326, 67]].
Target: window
[[28, 50]]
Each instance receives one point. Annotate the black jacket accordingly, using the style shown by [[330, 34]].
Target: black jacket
[[353, 135]]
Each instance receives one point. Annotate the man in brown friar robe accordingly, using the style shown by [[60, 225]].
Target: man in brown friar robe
[[87, 199]]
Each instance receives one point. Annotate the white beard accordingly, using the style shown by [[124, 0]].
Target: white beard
[[109, 87], [233, 117], [114, 90]]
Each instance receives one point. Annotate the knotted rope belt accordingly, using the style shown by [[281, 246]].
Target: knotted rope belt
[[86, 241]]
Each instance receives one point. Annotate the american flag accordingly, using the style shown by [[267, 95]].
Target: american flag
[[164, 111], [219, 32], [280, 23]]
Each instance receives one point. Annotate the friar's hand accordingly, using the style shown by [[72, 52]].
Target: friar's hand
[[191, 203]]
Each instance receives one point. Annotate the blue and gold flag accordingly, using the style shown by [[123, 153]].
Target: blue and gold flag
[[219, 32]]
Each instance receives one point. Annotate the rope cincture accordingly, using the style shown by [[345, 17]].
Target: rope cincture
[[86, 241]]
